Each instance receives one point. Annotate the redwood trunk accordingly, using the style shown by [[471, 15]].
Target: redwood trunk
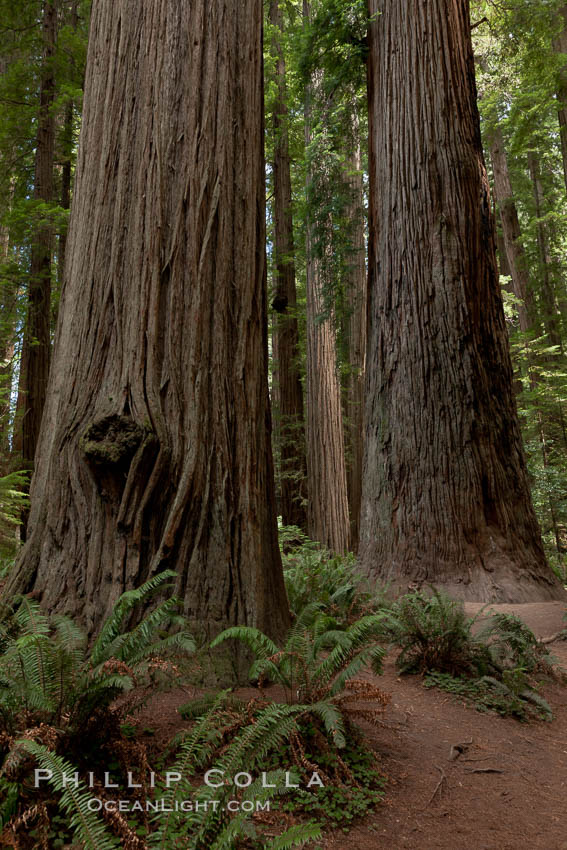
[[326, 472], [293, 472], [67, 158], [37, 334], [445, 492], [155, 445], [511, 232], [356, 292], [548, 303]]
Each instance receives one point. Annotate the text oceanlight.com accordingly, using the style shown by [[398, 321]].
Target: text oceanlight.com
[[214, 778]]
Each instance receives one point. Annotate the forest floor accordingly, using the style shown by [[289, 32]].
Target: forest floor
[[506, 791]]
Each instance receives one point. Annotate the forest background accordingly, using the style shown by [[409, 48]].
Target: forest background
[[386, 357], [316, 143]]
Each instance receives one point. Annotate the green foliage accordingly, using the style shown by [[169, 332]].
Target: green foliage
[[74, 801], [511, 696], [209, 824], [434, 634], [339, 803], [513, 646], [314, 575], [56, 695], [13, 499], [47, 672], [319, 656], [492, 669]]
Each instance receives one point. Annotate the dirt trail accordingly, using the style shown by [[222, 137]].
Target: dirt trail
[[523, 806]]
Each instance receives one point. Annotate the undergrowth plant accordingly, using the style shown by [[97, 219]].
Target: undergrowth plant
[[493, 667], [13, 499], [320, 657], [434, 633], [58, 697], [313, 574], [210, 824], [317, 667]]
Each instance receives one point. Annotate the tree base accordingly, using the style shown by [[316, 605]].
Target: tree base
[[476, 584]]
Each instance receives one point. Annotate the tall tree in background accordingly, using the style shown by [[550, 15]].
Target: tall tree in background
[[286, 343], [511, 232], [560, 47], [155, 443], [37, 334], [328, 517], [356, 295], [445, 491], [67, 145]]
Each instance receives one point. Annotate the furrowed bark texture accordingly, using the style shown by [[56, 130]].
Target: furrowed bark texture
[[155, 448], [328, 518], [67, 158], [445, 493], [293, 471]]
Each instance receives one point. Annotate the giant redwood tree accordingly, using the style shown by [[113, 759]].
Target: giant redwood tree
[[445, 493], [155, 443]]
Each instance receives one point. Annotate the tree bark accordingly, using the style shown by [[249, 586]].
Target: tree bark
[[356, 293], [155, 444], [328, 517], [293, 472], [445, 492], [8, 304]]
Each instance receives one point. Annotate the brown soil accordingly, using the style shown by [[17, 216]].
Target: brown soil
[[434, 802]]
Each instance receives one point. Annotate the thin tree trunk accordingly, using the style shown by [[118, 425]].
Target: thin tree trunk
[[356, 292], [518, 270], [293, 472], [8, 301], [66, 170], [155, 445], [548, 303], [37, 333], [560, 46], [445, 491], [511, 232], [328, 515]]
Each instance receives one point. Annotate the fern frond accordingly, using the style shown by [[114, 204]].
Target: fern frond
[[332, 721], [30, 617], [87, 827], [112, 625], [295, 836], [194, 752], [137, 642], [261, 645], [273, 726]]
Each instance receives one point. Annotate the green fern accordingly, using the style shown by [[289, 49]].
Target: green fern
[[74, 801], [434, 633], [295, 836], [112, 627], [209, 827]]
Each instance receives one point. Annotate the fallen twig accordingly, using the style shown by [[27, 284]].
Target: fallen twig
[[439, 784], [562, 635], [484, 770]]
